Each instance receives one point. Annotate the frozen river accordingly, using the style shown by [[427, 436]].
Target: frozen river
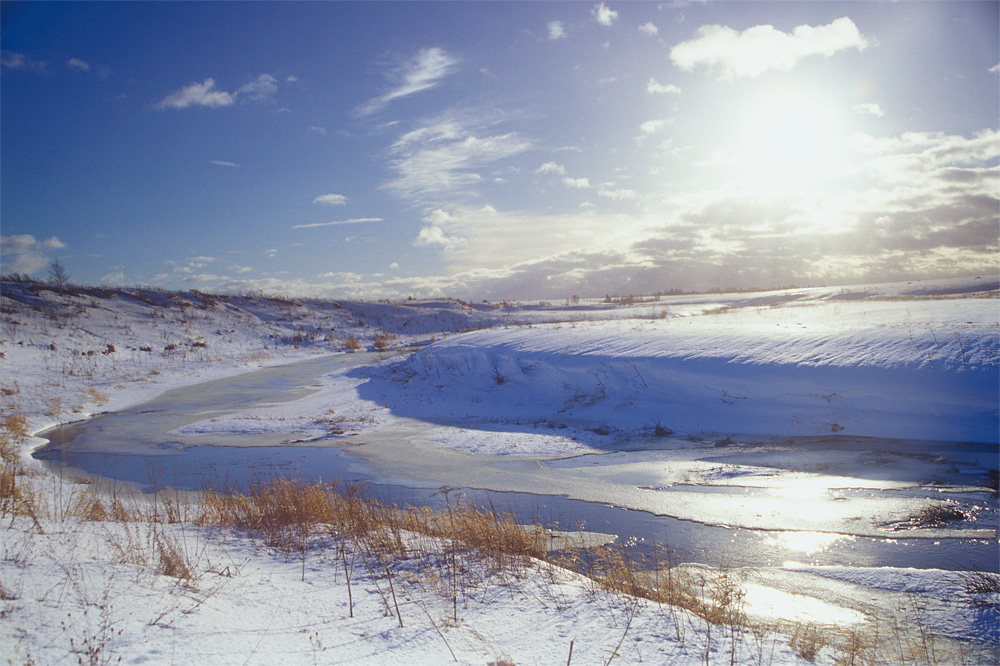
[[735, 502]]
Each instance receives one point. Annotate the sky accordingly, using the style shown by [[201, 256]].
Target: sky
[[499, 150]]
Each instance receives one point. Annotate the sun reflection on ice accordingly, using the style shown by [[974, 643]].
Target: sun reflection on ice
[[807, 543], [764, 601], [801, 489]]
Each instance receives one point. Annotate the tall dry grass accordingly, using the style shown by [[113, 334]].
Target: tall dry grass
[[458, 549], [18, 496]]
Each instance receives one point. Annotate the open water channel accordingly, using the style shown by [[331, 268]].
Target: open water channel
[[135, 446]]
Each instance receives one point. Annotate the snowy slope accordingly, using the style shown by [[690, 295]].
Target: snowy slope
[[889, 365], [69, 353]]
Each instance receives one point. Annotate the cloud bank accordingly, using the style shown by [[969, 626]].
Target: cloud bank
[[24, 254], [762, 48]]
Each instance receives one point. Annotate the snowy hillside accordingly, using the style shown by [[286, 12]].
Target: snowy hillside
[[891, 361], [71, 352]]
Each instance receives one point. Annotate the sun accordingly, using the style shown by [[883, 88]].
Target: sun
[[788, 137]]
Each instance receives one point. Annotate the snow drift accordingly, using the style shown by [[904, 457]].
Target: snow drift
[[823, 363]]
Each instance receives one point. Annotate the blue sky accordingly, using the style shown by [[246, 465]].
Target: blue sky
[[499, 150]]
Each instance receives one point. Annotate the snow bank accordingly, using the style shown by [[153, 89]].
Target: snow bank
[[887, 367]]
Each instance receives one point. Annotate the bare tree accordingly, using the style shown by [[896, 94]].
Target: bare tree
[[58, 275]]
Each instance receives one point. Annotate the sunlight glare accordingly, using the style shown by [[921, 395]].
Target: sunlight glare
[[764, 601], [788, 137], [801, 489], [807, 543]]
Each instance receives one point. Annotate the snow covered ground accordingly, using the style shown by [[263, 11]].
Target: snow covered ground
[[650, 404]]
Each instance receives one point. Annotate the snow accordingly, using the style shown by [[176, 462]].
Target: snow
[[809, 368], [674, 403]]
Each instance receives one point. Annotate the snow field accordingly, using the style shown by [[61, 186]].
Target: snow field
[[824, 367], [910, 361], [143, 591]]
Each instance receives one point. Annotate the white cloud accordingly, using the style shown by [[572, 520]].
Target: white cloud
[[114, 278], [925, 205], [649, 29], [484, 240], [603, 15], [422, 72], [343, 276], [654, 88], [442, 157], [652, 126], [330, 199], [197, 94], [551, 167], [616, 194], [15, 60], [556, 30], [263, 86], [761, 48], [223, 163], [922, 160], [78, 64], [206, 94], [334, 223], [26, 254], [870, 108], [995, 69], [193, 264], [318, 129], [432, 234], [576, 183]]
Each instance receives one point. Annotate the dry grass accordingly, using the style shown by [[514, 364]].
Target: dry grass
[[808, 640], [15, 425], [18, 496], [92, 394], [461, 548], [287, 514], [383, 340], [284, 514], [937, 514]]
